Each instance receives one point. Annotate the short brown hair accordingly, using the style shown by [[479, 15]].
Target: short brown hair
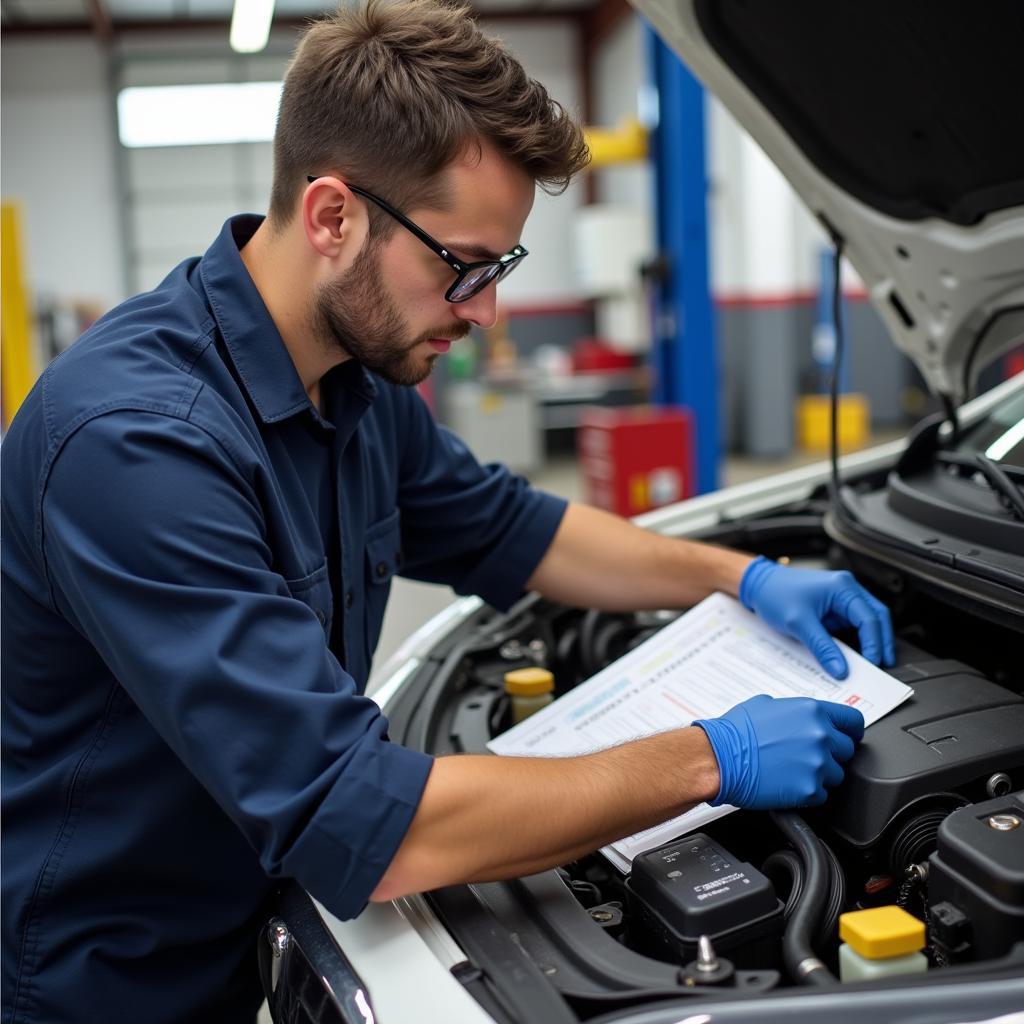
[[392, 92]]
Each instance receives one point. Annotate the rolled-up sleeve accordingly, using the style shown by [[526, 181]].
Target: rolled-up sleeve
[[156, 548], [479, 528]]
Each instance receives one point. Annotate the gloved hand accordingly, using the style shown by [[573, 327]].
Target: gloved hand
[[777, 752], [808, 603]]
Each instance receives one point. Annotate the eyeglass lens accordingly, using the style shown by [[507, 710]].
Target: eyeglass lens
[[476, 280]]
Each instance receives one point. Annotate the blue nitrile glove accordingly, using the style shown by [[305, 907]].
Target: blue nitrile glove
[[777, 752], [808, 603]]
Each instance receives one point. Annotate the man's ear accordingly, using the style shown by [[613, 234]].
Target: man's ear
[[333, 217]]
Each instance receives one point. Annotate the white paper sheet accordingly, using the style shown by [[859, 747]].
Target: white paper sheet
[[707, 661]]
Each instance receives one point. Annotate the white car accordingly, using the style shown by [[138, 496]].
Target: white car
[[891, 121]]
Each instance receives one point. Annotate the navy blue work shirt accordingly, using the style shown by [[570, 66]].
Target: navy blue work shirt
[[195, 567]]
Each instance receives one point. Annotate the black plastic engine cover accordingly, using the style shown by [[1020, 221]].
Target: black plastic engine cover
[[978, 870], [956, 730]]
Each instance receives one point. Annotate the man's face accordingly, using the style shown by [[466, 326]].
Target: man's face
[[388, 309], [357, 314]]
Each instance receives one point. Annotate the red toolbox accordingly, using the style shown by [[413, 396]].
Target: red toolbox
[[636, 458]]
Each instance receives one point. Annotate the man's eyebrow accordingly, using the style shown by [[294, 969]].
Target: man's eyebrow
[[476, 252]]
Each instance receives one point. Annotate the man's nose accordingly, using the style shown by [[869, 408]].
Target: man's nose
[[481, 309]]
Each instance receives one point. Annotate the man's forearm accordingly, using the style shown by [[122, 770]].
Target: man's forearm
[[598, 560], [485, 818]]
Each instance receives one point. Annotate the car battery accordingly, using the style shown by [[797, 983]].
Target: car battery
[[976, 880], [694, 887], [636, 459]]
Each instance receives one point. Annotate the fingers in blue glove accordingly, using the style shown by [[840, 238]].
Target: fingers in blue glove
[[832, 774], [806, 603], [813, 635], [847, 719], [885, 621], [781, 752], [861, 611], [818, 797], [842, 745], [862, 616]]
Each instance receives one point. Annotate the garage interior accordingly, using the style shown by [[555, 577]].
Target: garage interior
[[678, 303], [575, 331]]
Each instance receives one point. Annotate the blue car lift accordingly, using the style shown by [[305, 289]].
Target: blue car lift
[[684, 353]]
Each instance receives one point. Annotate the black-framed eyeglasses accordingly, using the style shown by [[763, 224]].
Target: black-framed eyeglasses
[[470, 278]]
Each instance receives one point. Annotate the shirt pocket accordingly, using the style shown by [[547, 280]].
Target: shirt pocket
[[383, 560], [314, 591]]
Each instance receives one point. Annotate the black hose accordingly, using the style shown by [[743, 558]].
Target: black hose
[[788, 863], [588, 629], [797, 952], [836, 896]]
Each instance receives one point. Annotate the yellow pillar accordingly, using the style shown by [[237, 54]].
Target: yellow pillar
[[18, 359]]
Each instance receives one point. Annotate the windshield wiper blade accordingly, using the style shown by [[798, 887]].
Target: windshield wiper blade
[[1001, 483], [965, 461]]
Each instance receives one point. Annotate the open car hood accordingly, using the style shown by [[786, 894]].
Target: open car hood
[[897, 124]]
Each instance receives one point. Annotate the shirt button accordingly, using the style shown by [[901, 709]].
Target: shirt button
[[321, 616], [350, 599], [382, 569]]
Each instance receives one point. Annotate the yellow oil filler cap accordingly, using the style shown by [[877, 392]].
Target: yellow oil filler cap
[[881, 932], [529, 682], [529, 690]]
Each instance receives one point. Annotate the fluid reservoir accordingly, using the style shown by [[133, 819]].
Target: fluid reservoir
[[880, 942], [530, 689]]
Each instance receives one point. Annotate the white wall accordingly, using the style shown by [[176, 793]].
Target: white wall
[[549, 51], [619, 77], [57, 161], [178, 197], [763, 242]]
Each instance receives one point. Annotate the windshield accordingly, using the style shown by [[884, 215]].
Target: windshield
[[1000, 436]]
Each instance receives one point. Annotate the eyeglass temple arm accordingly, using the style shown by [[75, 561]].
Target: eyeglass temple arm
[[426, 239]]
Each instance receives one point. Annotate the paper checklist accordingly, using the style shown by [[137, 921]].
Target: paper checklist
[[706, 661]]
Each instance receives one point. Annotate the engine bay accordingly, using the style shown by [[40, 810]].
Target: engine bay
[[930, 816]]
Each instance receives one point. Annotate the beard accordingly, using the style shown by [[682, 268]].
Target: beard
[[356, 316]]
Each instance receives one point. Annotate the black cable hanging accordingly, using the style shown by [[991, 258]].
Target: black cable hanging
[[837, 362], [950, 409]]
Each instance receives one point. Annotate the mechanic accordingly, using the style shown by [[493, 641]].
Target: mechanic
[[204, 501]]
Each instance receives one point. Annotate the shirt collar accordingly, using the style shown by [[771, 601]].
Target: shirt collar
[[252, 339]]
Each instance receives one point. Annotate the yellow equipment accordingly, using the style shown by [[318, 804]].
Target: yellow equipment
[[19, 364], [624, 144]]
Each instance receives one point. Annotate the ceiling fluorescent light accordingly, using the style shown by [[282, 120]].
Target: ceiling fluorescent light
[[197, 115], [250, 25]]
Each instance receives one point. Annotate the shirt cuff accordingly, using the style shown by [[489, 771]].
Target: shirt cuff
[[364, 820]]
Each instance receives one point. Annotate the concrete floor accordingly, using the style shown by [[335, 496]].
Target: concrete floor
[[413, 603]]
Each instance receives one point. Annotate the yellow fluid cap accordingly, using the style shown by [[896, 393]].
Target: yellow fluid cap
[[881, 932], [529, 682]]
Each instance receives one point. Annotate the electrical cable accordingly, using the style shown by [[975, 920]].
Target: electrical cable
[[837, 362]]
